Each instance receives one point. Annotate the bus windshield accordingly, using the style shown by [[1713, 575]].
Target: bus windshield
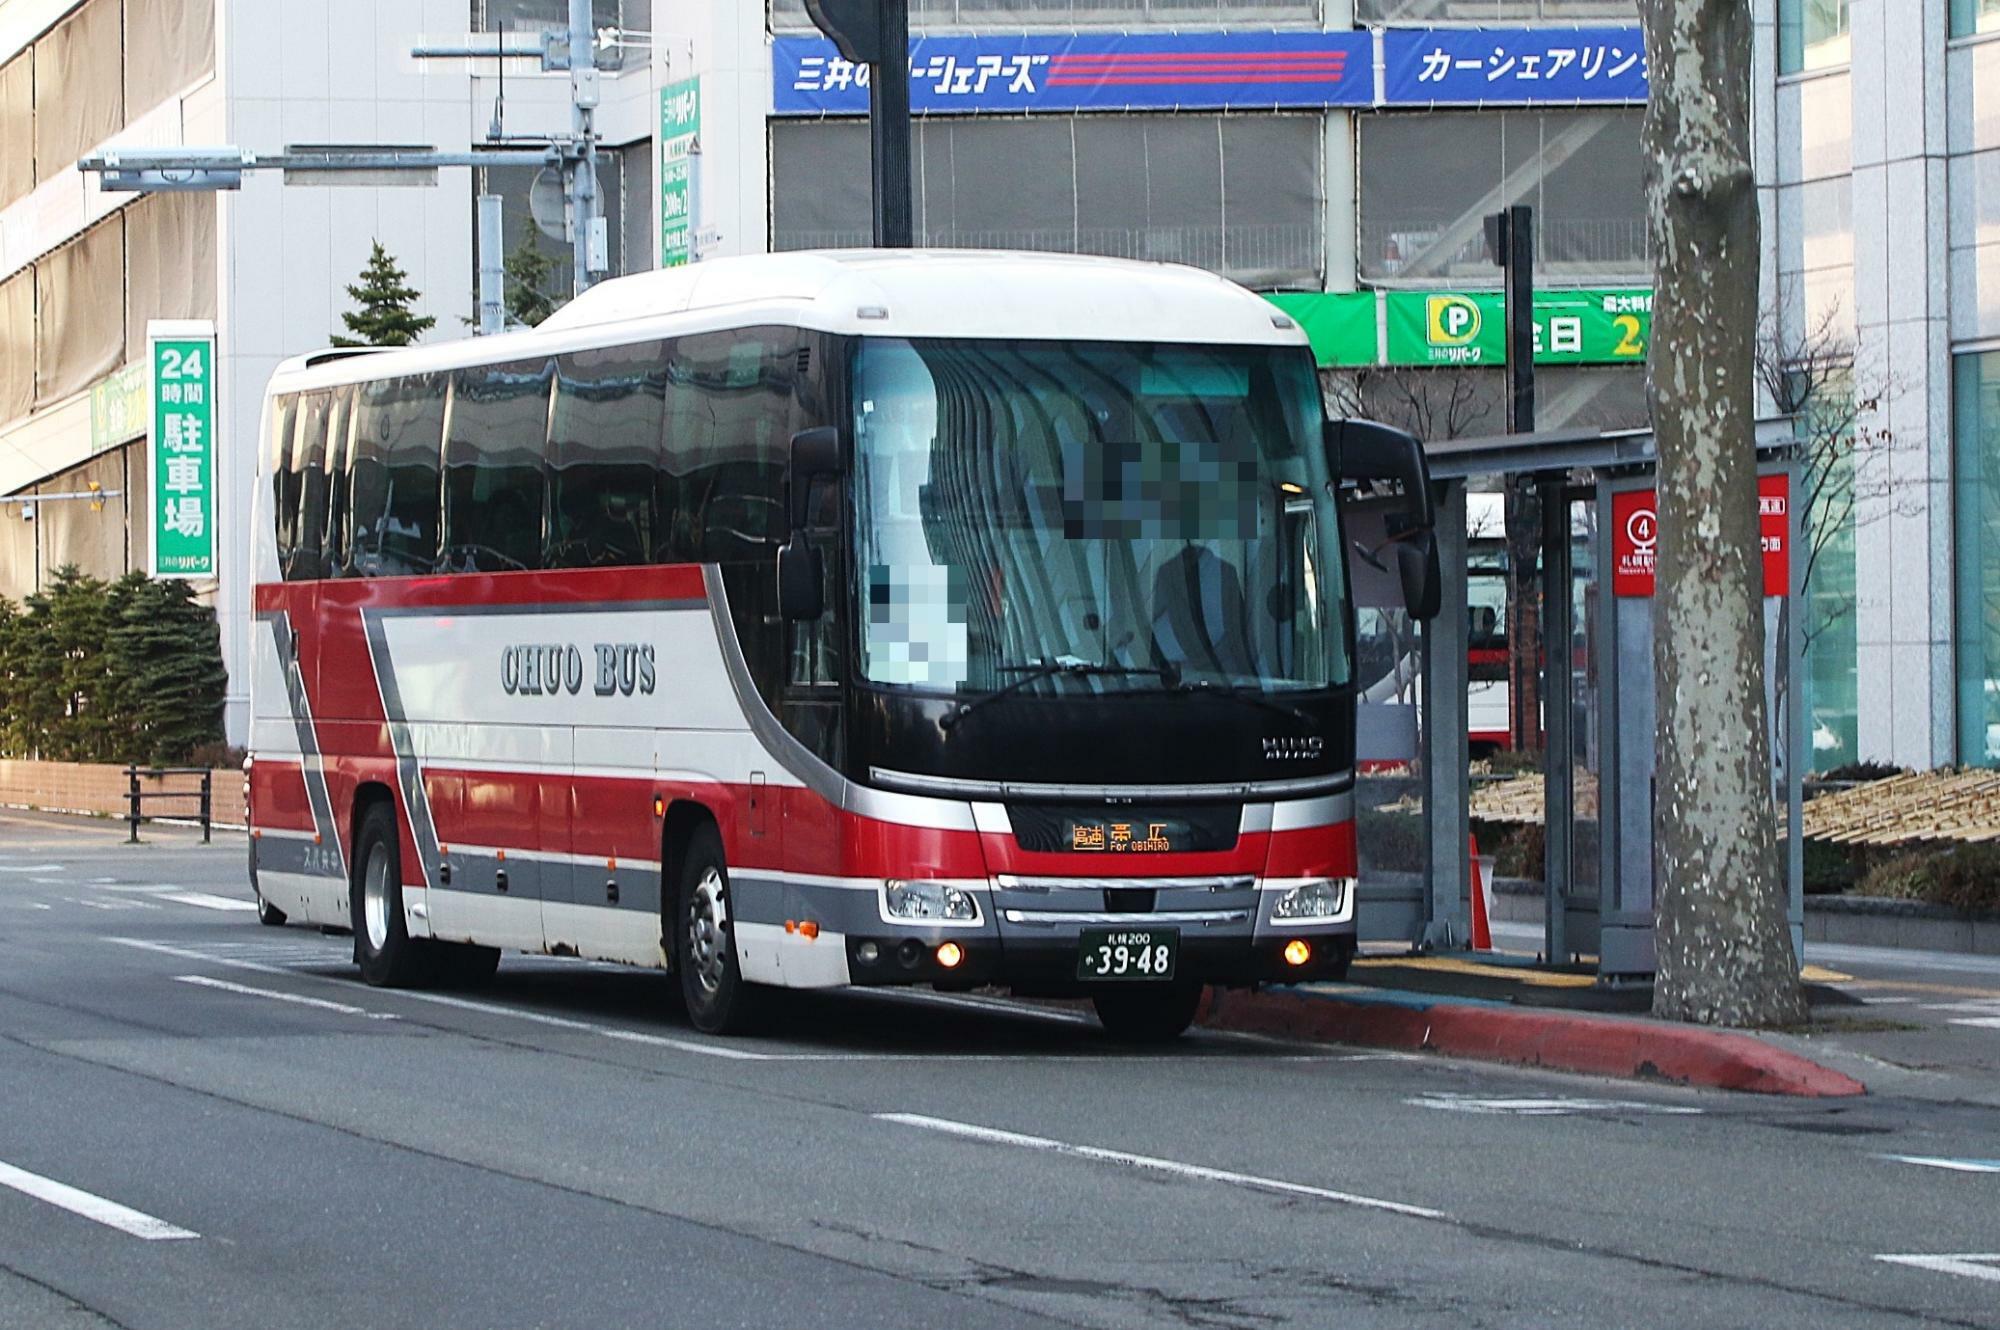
[[1140, 515]]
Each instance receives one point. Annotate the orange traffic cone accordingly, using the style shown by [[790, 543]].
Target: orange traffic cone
[[1482, 928]]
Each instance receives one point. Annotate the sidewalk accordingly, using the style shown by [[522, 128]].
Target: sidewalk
[[1502, 1008]]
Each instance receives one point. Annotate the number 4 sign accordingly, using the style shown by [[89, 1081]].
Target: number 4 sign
[[180, 357]]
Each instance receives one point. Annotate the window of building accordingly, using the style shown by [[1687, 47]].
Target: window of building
[[1974, 16], [1238, 195], [17, 126], [79, 86], [496, 436], [1976, 443], [168, 45], [398, 431], [1812, 34], [1495, 11], [1428, 180], [790, 15], [514, 184], [17, 345], [80, 311], [539, 16]]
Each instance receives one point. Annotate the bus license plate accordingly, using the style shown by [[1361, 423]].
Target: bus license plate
[[1128, 953]]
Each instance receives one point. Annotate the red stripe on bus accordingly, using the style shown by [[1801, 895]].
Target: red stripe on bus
[[673, 581]]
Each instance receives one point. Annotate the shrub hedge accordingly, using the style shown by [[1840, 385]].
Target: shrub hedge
[[124, 671]]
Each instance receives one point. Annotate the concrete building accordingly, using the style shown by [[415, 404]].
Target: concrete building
[[1179, 131]]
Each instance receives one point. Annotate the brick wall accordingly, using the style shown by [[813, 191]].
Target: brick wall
[[83, 787]]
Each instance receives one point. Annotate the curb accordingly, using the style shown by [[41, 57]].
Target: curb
[[1557, 1040]]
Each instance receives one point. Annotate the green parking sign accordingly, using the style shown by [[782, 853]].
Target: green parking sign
[[680, 124], [181, 358]]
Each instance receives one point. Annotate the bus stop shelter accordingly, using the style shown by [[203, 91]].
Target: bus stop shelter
[[1597, 690]]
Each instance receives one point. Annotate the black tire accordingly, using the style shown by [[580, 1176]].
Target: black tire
[[268, 914], [718, 999], [465, 964], [388, 956], [1144, 1014]]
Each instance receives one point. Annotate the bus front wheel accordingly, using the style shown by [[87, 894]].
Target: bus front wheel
[[718, 999], [389, 957], [1147, 1015]]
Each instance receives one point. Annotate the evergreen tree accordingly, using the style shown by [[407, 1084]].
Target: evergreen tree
[[528, 273], [59, 667], [11, 633], [385, 297], [165, 652]]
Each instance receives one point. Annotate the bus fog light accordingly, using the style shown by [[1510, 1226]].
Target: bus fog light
[[1298, 951], [867, 953], [1312, 900], [949, 955], [928, 900]]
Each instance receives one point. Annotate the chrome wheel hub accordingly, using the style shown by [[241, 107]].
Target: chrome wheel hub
[[708, 931], [375, 898]]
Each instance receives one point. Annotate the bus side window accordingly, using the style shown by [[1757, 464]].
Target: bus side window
[[731, 414], [334, 558], [495, 453], [604, 432], [308, 487], [396, 475], [284, 498]]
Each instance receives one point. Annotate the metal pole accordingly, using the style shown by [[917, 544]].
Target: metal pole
[[889, 129], [1518, 241], [1446, 776], [1558, 759], [492, 266], [582, 169], [132, 805]]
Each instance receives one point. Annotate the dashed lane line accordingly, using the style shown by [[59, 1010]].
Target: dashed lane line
[[207, 901], [1154, 1164], [1561, 1106], [92, 1207], [1952, 1165], [323, 1004], [1968, 1265]]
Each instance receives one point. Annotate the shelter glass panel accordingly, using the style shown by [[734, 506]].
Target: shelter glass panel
[[1976, 430]]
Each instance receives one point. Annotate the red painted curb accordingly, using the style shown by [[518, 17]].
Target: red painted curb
[[1558, 1040]]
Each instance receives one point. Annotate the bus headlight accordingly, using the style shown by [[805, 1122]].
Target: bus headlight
[[928, 900], [1323, 899]]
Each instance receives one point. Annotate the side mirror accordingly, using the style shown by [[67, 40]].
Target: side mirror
[[1365, 452], [1417, 567], [801, 582], [815, 453]]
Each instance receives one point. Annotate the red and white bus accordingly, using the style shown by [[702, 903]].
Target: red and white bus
[[823, 619]]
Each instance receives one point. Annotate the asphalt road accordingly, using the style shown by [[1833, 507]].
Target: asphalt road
[[206, 1123]]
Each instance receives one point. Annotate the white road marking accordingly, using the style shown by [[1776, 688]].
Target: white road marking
[[467, 1004], [1541, 1108], [1954, 1165], [110, 904], [1151, 1164], [207, 901], [1970, 1265], [1979, 1022], [33, 868], [343, 1008], [1885, 1001], [95, 1208]]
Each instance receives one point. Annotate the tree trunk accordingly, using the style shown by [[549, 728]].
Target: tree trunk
[[1724, 947]]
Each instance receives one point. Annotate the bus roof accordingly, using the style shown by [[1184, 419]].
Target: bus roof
[[892, 293]]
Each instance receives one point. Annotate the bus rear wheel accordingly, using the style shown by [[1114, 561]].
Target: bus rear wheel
[[718, 999], [1147, 1015], [388, 956]]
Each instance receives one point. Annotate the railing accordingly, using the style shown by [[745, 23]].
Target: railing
[[136, 795]]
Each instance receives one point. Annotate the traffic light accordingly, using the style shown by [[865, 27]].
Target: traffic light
[[854, 26]]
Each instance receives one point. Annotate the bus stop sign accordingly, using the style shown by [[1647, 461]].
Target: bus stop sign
[[1635, 536]]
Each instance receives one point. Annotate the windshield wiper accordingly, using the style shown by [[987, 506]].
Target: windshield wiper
[[1213, 689], [1048, 668]]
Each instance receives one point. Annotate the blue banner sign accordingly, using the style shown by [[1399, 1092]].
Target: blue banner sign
[[1512, 66], [1016, 72]]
